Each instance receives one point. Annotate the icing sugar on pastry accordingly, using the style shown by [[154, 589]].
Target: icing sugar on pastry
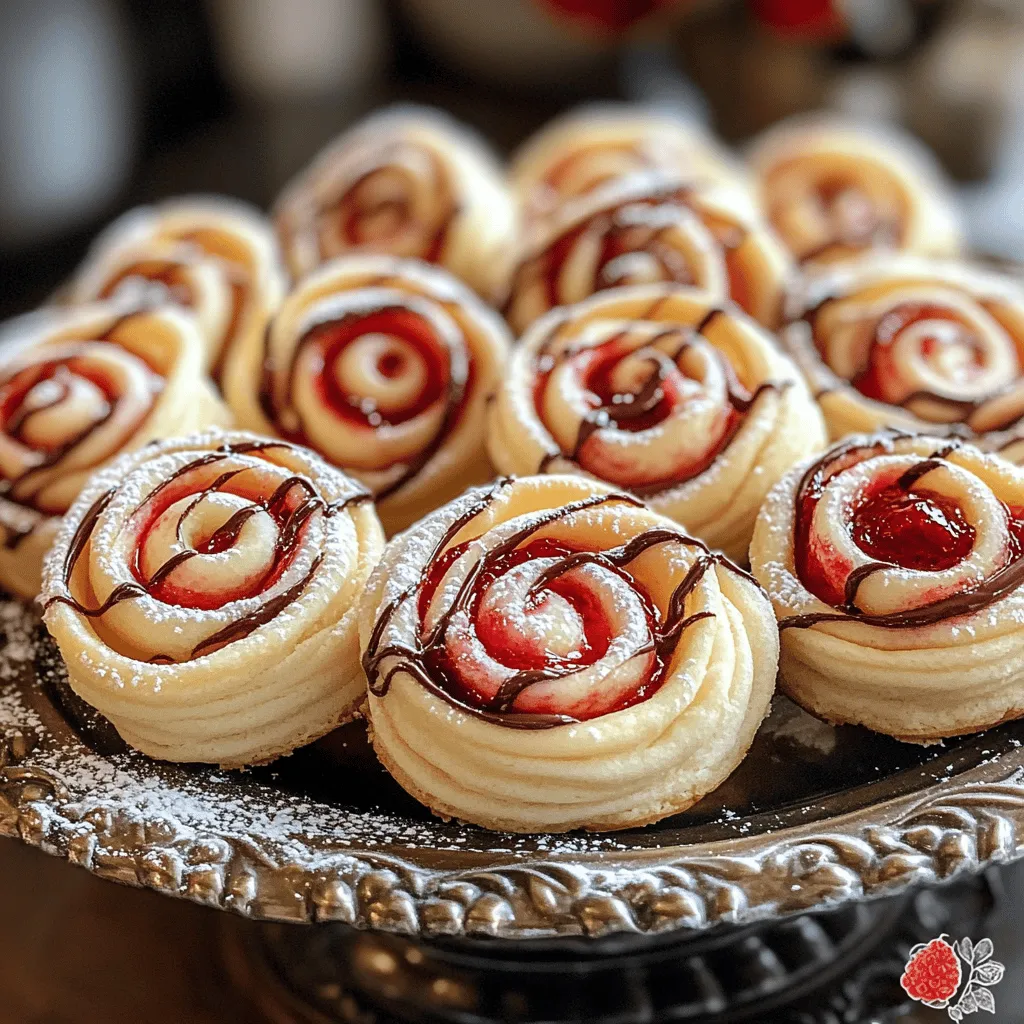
[[548, 654], [202, 592], [895, 566]]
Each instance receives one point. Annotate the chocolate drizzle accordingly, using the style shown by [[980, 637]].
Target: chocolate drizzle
[[18, 490], [867, 227], [291, 524], [986, 592], [308, 220], [961, 410], [426, 660], [634, 221], [650, 394], [456, 389]]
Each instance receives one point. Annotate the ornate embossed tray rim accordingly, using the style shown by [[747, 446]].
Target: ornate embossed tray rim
[[237, 843]]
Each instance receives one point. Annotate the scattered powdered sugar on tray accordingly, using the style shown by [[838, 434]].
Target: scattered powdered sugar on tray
[[268, 810], [199, 800], [802, 729]]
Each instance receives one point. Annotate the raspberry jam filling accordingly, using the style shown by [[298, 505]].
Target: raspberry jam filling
[[621, 238], [919, 530], [660, 387], [896, 521], [335, 337], [290, 506], [509, 649], [41, 387], [380, 209], [432, 383], [922, 530]]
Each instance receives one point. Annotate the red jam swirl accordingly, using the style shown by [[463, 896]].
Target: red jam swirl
[[39, 388], [26, 395], [880, 377], [444, 383], [335, 337], [429, 660], [292, 505], [896, 523], [379, 210], [511, 650], [643, 231], [641, 225], [663, 392], [919, 530]]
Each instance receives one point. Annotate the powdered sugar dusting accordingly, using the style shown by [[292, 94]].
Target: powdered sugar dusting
[[197, 801], [268, 811]]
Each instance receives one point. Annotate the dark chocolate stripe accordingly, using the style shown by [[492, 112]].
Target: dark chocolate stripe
[[1001, 583], [290, 533], [418, 661], [650, 393]]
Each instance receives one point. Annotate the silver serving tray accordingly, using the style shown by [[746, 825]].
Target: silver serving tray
[[814, 816]]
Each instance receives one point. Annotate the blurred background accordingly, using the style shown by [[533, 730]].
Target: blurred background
[[108, 103]]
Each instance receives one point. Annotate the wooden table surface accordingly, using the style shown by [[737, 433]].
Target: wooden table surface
[[78, 950]]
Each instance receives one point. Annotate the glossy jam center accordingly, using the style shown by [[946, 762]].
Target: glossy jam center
[[921, 530], [41, 387], [390, 365]]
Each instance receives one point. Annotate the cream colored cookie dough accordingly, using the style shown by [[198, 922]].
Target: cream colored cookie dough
[[547, 654], [203, 595], [682, 400]]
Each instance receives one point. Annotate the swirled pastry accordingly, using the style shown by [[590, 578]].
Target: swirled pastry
[[907, 342], [546, 654], [596, 145], [384, 367], [202, 592], [214, 256], [660, 391], [833, 190], [407, 182], [650, 228], [76, 389], [895, 566]]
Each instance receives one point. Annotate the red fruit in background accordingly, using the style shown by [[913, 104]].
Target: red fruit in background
[[933, 974], [606, 15], [803, 19]]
